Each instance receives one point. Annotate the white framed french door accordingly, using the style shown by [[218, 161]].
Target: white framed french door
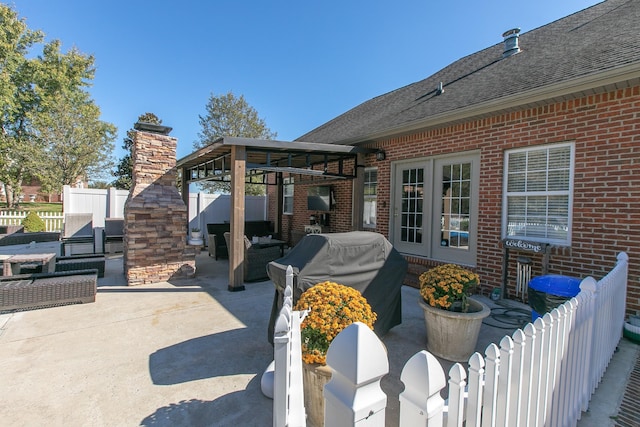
[[409, 214], [434, 210]]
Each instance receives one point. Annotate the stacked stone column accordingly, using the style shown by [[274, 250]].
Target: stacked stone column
[[156, 218]]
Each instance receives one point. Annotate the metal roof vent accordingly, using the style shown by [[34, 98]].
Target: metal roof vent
[[511, 42]]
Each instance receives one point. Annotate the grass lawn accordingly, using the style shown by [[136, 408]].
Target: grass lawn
[[35, 206]]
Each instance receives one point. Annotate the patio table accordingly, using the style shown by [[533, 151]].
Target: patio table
[[47, 260], [268, 243]]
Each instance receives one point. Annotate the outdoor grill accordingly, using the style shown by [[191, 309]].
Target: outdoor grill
[[362, 260]]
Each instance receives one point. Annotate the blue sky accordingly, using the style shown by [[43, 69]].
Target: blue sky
[[298, 63]]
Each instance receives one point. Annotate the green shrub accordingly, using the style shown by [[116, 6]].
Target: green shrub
[[33, 223]]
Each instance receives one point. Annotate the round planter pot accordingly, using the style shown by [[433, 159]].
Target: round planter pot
[[451, 335], [314, 378]]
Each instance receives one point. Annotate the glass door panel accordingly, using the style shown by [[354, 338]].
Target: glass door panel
[[411, 190], [412, 198], [456, 182], [455, 211]]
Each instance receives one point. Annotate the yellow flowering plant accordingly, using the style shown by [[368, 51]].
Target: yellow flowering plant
[[445, 285], [333, 308]]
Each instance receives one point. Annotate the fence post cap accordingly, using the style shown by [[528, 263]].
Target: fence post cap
[[423, 374], [358, 354]]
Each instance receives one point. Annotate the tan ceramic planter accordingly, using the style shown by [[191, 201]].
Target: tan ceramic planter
[[453, 336], [315, 377]]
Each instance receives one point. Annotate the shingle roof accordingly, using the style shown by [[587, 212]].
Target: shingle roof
[[593, 41]]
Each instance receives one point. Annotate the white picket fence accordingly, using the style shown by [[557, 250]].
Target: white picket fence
[[542, 375], [287, 351], [52, 220]]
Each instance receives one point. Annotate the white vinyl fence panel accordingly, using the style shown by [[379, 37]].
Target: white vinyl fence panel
[[203, 208], [101, 203], [216, 208]]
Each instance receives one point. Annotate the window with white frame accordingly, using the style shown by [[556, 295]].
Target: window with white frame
[[370, 197], [538, 193], [287, 199]]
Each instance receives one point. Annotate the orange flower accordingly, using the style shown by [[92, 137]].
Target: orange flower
[[333, 308], [446, 284]]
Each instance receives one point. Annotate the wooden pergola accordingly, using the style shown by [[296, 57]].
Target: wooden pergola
[[237, 160]]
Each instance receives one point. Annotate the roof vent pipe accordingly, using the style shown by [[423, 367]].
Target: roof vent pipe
[[511, 42]]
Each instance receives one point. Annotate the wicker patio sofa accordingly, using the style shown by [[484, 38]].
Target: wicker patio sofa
[[81, 262], [217, 244], [29, 291]]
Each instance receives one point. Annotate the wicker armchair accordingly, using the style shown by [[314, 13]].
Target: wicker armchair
[[215, 241], [78, 228], [256, 259], [113, 234]]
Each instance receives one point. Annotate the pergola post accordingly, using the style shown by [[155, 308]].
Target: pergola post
[[236, 251], [184, 188], [357, 204], [279, 202]]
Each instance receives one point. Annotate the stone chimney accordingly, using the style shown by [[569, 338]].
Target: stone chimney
[[155, 223]]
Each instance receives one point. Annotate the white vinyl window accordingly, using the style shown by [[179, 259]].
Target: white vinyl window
[[287, 199], [370, 197], [538, 193]]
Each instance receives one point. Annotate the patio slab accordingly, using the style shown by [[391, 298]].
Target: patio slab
[[184, 353]]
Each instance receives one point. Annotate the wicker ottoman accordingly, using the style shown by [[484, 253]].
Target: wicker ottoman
[[47, 289]]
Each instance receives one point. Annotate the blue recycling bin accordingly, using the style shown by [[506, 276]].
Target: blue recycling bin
[[549, 291]]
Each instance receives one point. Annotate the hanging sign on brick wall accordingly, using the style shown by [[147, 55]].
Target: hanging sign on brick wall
[[524, 245]]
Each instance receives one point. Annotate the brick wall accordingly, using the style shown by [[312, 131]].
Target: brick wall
[[155, 248], [606, 212]]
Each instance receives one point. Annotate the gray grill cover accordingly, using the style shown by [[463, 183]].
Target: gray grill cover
[[362, 260]]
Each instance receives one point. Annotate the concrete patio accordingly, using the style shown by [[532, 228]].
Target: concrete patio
[[191, 353]]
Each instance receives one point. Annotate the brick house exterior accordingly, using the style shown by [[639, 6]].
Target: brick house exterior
[[570, 94], [33, 189]]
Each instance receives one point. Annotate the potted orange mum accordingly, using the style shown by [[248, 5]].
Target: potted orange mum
[[333, 307], [452, 318]]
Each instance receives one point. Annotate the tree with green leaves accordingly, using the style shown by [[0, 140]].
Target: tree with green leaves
[[124, 168], [78, 144], [228, 115], [46, 113], [17, 100]]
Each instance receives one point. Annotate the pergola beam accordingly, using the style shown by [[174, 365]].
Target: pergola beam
[[233, 157]]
